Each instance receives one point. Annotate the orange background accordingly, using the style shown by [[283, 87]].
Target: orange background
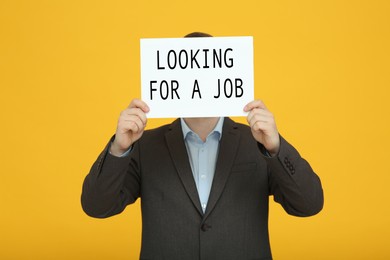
[[69, 67]]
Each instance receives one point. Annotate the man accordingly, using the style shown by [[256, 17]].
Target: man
[[204, 183]]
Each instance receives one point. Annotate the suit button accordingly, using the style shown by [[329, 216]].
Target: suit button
[[205, 227]]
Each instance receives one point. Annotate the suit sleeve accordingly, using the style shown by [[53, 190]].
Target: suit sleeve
[[293, 183], [112, 183]]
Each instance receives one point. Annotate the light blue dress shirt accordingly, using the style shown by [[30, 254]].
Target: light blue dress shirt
[[203, 158]]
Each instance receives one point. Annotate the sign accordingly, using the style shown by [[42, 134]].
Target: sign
[[197, 77]]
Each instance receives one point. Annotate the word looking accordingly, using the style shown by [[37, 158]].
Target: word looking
[[208, 58]]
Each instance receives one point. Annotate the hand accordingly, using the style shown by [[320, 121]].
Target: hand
[[131, 125], [263, 126]]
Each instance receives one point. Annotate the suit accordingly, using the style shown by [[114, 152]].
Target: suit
[[235, 223]]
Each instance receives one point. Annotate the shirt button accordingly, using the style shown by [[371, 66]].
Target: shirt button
[[203, 176], [203, 206]]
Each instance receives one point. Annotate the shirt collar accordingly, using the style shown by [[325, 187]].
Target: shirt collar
[[186, 129]]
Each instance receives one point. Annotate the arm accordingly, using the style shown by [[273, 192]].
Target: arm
[[104, 191], [113, 181], [293, 183], [291, 180]]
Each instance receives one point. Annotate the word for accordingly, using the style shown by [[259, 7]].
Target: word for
[[214, 58], [169, 89]]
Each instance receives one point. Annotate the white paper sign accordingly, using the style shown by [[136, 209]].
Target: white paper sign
[[197, 77]]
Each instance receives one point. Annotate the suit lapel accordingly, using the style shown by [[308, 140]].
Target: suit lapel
[[176, 146], [227, 153]]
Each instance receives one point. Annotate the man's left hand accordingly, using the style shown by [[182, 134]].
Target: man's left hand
[[263, 126]]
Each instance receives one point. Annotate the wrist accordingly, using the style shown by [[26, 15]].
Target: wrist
[[274, 149], [273, 153], [116, 150]]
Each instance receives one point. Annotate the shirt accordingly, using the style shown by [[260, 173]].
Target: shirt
[[203, 158]]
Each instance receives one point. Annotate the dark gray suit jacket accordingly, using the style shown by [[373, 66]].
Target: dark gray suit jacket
[[235, 224]]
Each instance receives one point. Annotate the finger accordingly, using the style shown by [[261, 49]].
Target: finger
[[255, 104], [258, 112], [136, 112], [259, 119], [131, 123], [260, 125], [135, 125], [262, 121], [138, 103]]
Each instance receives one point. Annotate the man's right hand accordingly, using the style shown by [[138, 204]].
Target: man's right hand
[[131, 125]]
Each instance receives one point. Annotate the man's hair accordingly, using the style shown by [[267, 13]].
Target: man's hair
[[197, 34]]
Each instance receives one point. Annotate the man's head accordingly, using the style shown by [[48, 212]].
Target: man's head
[[197, 34], [192, 122]]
